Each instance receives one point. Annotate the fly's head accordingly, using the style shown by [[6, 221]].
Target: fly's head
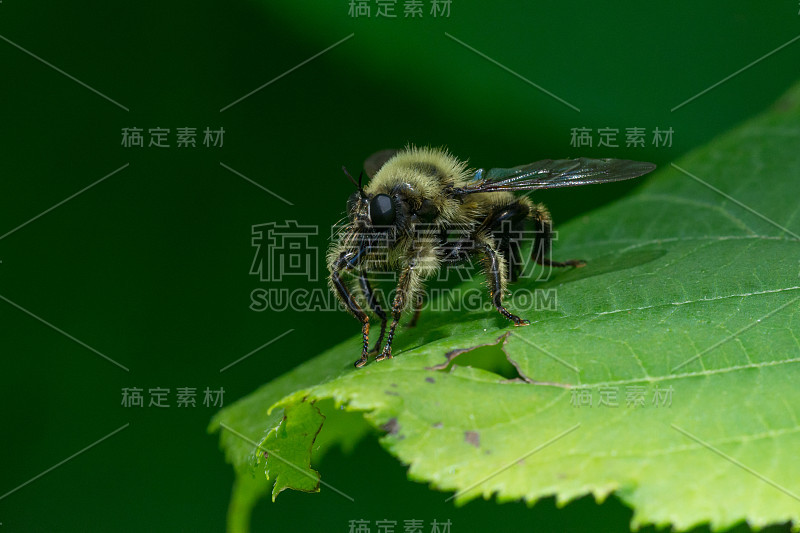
[[385, 221]]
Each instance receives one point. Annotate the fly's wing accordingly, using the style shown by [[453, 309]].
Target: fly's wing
[[374, 162], [553, 173]]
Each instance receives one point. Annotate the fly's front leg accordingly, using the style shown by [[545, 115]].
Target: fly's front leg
[[495, 269], [350, 303], [406, 285], [372, 301], [417, 310]]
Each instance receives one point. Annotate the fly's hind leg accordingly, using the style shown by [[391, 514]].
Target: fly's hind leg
[[495, 269], [507, 224], [543, 226], [372, 301]]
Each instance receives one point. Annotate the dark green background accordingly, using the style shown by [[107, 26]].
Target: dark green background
[[150, 267]]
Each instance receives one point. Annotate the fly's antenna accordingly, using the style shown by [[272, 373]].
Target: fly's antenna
[[352, 179], [346, 173]]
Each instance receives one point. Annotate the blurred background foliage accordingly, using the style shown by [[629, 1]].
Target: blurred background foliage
[[151, 266]]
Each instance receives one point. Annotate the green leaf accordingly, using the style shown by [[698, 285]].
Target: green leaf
[[288, 449], [683, 333]]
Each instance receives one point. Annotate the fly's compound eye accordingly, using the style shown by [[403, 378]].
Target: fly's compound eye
[[352, 202], [381, 210]]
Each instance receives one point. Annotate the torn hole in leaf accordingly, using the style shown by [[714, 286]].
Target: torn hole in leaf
[[342, 429], [489, 357]]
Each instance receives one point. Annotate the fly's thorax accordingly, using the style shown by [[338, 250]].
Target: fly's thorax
[[428, 170]]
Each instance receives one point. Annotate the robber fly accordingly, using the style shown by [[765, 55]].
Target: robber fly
[[416, 198]]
